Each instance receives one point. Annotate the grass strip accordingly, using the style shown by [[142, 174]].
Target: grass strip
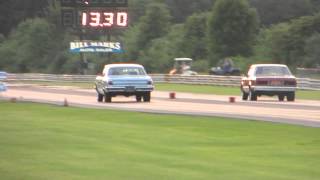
[[51, 142]]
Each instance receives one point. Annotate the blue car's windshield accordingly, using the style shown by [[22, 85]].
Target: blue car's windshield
[[123, 71]]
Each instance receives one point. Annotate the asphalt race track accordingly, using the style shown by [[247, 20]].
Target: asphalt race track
[[301, 112]]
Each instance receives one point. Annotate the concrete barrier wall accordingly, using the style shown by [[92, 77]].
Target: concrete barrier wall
[[303, 83]]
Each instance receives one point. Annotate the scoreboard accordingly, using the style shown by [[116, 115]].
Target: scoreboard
[[104, 19], [94, 14]]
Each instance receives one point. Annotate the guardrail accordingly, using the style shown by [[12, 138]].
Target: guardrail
[[303, 83], [313, 73], [3, 77]]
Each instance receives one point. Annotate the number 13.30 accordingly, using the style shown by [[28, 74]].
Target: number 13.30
[[105, 19]]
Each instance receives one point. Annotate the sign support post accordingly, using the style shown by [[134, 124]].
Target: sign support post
[[109, 40]]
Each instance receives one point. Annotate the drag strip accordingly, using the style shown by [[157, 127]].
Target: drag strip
[[192, 99], [301, 112]]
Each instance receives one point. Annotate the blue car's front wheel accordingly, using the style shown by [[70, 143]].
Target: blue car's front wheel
[[107, 98], [100, 97], [147, 97]]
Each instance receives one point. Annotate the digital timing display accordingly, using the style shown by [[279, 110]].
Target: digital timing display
[[97, 14], [104, 19]]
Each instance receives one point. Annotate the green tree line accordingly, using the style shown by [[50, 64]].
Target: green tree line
[[32, 38]]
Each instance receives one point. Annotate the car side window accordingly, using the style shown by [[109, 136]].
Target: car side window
[[114, 72]]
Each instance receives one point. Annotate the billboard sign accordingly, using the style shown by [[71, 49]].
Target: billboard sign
[[95, 47]]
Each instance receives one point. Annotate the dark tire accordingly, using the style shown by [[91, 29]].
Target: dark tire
[[100, 97], [291, 96], [107, 98], [147, 97], [138, 98], [281, 97], [253, 96], [245, 96]]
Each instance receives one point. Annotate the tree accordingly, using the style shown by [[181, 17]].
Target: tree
[[182, 9], [12, 12], [233, 26], [154, 24], [35, 46], [316, 5], [194, 40], [276, 11], [276, 41], [158, 57], [289, 44], [137, 9], [312, 57], [130, 43], [24, 49]]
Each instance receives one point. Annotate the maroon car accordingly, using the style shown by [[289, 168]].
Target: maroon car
[[270, 80]]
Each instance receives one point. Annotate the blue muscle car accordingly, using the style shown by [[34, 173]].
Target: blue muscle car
[[124, 79]]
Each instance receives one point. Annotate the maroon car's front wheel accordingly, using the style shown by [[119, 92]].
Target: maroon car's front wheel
[[281, 97], [245, 96], [252, 96]]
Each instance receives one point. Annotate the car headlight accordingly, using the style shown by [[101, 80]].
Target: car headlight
[[108, 83]]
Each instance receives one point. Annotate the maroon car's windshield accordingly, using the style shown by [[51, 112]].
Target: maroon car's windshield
[[272, 71]]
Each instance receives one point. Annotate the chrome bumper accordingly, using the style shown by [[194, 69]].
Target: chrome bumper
[[273, 88], [129, 89]]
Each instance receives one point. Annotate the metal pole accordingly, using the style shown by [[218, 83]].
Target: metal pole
[[109, 40], [83, 60], [82, 56]]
